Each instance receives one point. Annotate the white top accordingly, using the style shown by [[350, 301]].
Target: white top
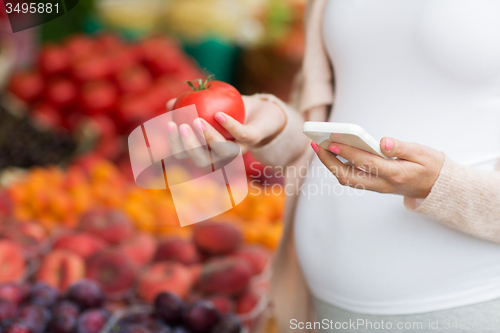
[[424, 71]]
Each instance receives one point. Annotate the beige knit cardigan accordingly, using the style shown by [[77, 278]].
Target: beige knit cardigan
[[462, 198]]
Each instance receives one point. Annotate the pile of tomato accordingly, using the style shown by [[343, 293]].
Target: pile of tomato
[[104, 83]]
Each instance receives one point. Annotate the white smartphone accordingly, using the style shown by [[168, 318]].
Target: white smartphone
[[324, 133]]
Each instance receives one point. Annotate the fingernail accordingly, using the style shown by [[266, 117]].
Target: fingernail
[[184, 131], [199, 125], [335, 149], [170, 128], [220, 118], [388, 144], [315, 147]]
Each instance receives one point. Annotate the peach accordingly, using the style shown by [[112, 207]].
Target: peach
[[170, 277], [216, 238], [222, 303], [177, 249], [227, 276], [256, 255], [30, 236], [113, 271], [139, 249], [113, 226], [12, 263], [60, 269], [83, 244], [5, 205], [247, 302]]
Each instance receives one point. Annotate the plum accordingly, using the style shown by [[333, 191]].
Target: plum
[[18, 327], [134, 328], [13, 292], [86, 294], [35, 317], [42, 294], [63, 323], [64, 317], [229, 323], [169, 308], [201, 316], [8, 310], [180, 329], [92, 321]]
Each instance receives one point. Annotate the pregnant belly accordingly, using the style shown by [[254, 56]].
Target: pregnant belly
[[363, 250]]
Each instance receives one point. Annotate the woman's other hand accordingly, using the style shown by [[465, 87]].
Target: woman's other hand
[[412, 174]]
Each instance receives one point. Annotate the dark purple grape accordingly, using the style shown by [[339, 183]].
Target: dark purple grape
[[92, 321], [63, 322], [157, 326], [18, 327], [134, 328], [229, 323], [8, 310], [136, 318], [86, 294], [180, 329], [65, 307], [43, 294], [169, 308], [13, 292], [64, 317], [201, 316], [35, 317]]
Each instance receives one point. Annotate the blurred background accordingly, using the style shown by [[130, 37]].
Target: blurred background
[[73, 221]]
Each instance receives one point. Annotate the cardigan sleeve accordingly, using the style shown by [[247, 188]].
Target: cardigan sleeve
[[288, 144], [465, 199]]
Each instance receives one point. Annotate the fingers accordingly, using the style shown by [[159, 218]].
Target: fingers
[[348, 175], [194, 149], [175, 141], [221, 148], [412, 152], [365, 161], [170, 104], [246, 134]]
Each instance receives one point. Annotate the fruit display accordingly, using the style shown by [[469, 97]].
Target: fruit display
[[210, 277], [104, 85], [55, 198]]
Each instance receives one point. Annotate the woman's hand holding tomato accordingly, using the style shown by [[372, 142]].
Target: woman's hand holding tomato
[[224, 115]]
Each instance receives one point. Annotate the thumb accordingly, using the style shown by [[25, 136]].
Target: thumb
[[170, 104], [402, 150]]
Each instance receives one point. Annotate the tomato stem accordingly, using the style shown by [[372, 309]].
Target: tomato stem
[[202, 85]]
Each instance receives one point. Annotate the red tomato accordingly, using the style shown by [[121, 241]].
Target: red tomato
[[133, 110], [96, 67], [26, 85], [133, 80], [164, 89], [61, 92], [211, 98], [53, 60], [121, 59], [109, 41], [98, 97], [80, 46]]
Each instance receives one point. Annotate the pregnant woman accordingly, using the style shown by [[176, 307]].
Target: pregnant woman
[[408, 241]]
